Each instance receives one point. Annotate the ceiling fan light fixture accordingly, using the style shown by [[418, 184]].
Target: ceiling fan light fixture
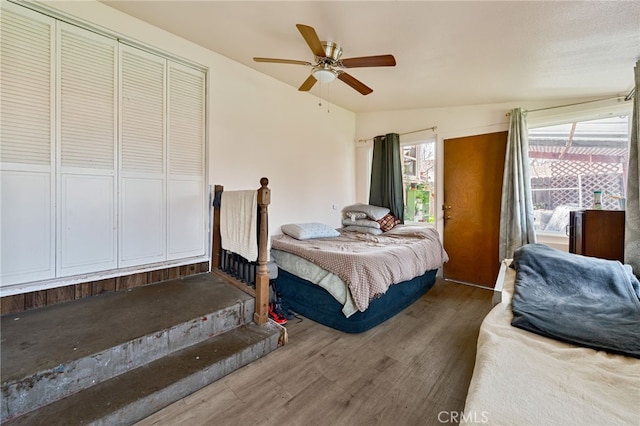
[[324, 75], [327, 58]]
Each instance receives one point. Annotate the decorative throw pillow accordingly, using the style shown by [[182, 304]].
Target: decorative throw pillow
[[307, 231], [374, 212], [364, 229], [388, 222]]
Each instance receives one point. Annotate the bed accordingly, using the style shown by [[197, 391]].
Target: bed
[[354, 280], [522, 377]]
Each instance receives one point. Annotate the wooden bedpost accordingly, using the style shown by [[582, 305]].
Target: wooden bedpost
[[261, 291], [216, 248], [261, 314]]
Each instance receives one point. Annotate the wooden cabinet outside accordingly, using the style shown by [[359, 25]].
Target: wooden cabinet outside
[[597, 233]]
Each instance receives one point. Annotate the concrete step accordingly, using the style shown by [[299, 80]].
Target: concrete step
[[132, 396], [53, 352]]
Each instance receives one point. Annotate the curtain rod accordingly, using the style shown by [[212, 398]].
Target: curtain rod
[[433, 128], [626, 98]]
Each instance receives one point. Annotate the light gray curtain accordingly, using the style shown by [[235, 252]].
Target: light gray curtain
[[386, 175], [632, 214], [516, 215]]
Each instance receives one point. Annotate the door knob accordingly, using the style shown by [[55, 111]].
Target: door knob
[[445, 207]]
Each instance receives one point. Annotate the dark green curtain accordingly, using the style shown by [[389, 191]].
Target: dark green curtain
[[386, 175]]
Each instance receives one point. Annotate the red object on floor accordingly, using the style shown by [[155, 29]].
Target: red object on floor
[[274, 316]]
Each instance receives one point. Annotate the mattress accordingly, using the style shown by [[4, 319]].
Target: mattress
[[521, 378], [355, 281], [315, 303], [370, 264]]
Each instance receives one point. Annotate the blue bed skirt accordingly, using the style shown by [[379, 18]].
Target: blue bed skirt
[[315, 303]]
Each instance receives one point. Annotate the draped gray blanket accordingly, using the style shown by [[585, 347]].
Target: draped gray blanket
[[577, 299]]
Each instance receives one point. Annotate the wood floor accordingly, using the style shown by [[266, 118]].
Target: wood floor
[[412, 370]]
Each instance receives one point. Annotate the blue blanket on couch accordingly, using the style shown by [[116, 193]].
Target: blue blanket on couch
[[577, 299]]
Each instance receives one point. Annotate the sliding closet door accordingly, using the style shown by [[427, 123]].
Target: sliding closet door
[[186, 231], [86, 151], [142, 158], [27, 230], [102, 158]]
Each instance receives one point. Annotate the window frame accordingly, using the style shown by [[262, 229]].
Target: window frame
[[432, 213]]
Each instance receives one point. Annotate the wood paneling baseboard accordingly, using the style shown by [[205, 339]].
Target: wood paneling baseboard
[[38, 299]]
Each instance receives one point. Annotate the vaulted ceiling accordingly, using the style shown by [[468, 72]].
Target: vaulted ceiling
[[448, 53]]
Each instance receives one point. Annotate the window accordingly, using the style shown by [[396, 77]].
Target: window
[[571, 162], [418, 177]]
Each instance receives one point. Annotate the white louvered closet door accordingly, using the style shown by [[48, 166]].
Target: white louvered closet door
[[87, 66], [185, 140], [142, 236], [27, 251]]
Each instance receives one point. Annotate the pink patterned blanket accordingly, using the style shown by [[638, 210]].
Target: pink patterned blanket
[[369, 264]]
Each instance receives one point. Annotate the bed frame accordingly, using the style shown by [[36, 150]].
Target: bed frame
[[248, 276]]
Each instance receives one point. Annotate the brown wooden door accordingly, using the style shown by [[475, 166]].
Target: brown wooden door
[[473, 169]]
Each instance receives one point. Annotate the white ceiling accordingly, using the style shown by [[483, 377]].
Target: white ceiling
[[448, 53]]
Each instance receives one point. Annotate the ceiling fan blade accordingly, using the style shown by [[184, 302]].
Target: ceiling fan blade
[[282, 61], [369, 61], [356, 84], [311, 37], [308, 84]]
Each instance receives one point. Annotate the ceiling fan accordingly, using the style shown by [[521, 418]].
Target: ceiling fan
[[327, 61]]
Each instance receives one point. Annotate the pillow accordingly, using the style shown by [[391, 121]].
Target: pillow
[[374, 212], [355, 215], [306, 231], [388, 222], [364, 230], [361, 222]]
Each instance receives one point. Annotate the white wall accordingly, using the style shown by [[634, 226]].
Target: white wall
[[258, 127]]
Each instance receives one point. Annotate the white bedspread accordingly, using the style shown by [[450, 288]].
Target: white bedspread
[[238, 223], [521, 378]]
